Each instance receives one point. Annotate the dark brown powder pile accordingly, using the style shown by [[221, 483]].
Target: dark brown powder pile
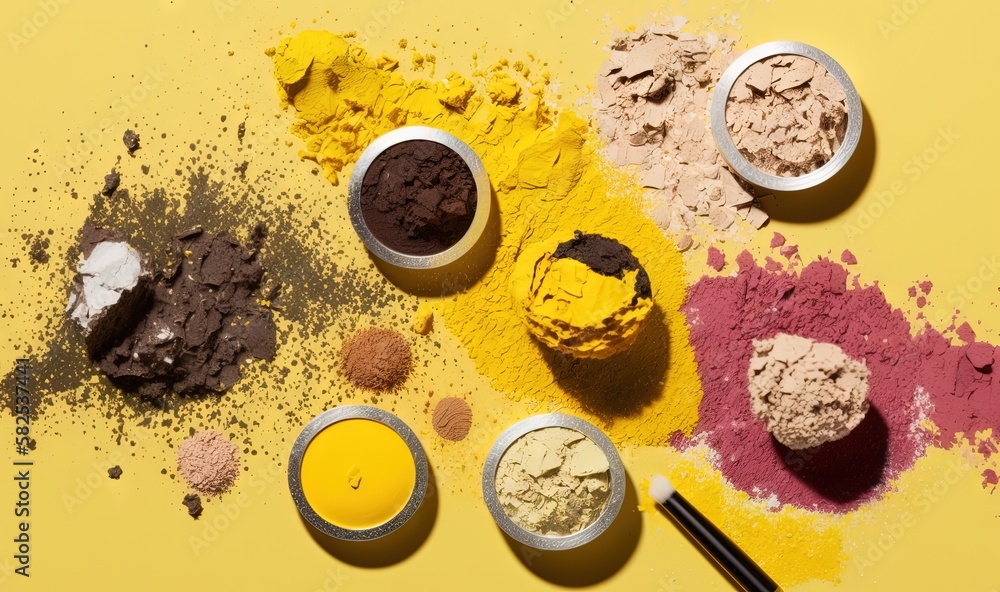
[[376, 359], [418, 197], [452, 419], [202, 323]]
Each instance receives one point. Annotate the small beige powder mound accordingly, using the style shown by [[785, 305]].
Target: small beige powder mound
[[553, 481], [787, 115], [807, 392], [452, 419], [208, 462]]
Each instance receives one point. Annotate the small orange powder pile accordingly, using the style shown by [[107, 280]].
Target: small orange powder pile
[[452, 419], [376, 359]]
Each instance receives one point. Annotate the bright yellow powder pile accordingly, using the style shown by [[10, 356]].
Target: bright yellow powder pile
[[548, 180]]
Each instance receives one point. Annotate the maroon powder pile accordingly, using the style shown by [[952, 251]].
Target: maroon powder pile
[[418, 197], [910, 376]]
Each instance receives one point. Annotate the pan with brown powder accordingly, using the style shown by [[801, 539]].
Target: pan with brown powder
[[419, 197]]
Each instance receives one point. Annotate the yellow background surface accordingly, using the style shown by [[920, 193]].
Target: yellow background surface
[[923, 69]]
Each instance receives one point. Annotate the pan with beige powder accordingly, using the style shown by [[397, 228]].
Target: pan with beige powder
[[553, 482], [786, 116]]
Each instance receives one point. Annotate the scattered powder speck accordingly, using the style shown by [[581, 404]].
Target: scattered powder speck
[[115, 472], [789, 251], [208, 462], [716, 259], [921, 301], [990, 479], [848, 258], [777, 240], [423, 319], [192, 502], [926, 286]]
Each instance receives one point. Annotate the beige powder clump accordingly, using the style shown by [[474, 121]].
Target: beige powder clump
[[553, 481], [651, 103], [787, 115], [452, 419], [807, 392], [208, 462]]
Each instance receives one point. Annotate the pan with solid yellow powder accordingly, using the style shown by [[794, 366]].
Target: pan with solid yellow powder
[[357, 472], [553, 482]]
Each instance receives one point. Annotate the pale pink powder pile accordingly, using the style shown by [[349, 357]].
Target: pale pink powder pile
[[208, 462]]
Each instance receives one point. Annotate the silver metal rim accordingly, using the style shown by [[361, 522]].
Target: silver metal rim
[[732, 154], [483, 197], [543, 542], [325, 420]]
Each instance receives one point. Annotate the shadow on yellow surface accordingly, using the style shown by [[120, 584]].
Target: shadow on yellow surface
[[594, 562], [392, 548], [456, 276], [836, 195], [624, 384]]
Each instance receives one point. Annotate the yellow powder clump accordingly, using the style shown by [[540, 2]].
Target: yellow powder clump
[[455, 91], [423, 319], [503, 89], [574, 309], [549, 179]]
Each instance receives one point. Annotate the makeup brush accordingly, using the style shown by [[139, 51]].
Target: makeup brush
[[725, 552]]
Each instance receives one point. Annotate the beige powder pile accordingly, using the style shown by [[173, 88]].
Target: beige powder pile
[[553, 481], [807, 392], [208, 462], [652, 99], [787, 115]]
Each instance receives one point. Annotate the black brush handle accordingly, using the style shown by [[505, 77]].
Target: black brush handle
[[730, 557]]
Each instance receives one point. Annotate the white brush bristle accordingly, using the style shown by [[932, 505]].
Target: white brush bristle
[[660, 488]]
